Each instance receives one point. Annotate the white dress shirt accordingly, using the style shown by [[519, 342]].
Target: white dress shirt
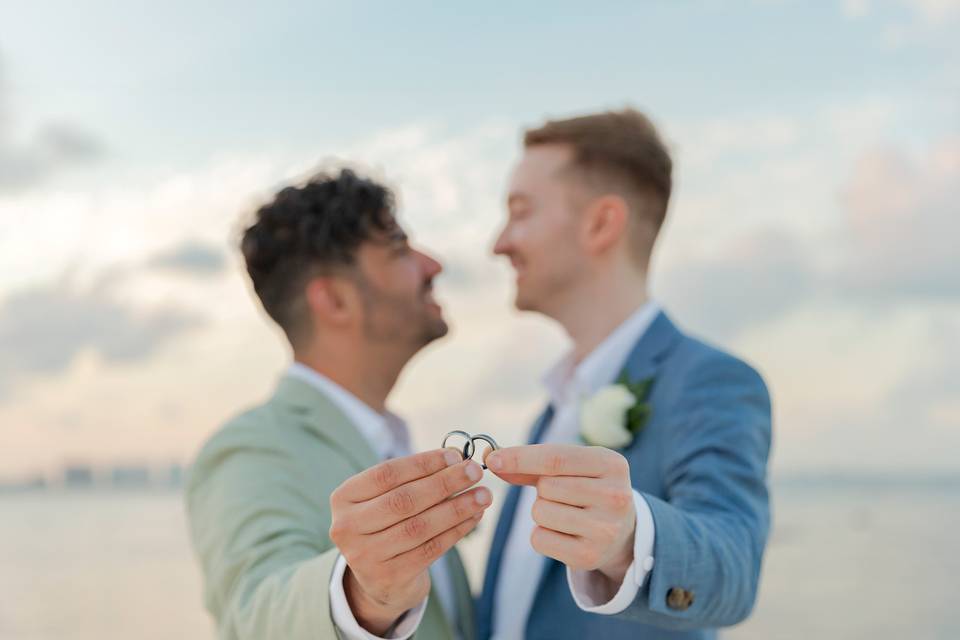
[[389, 437], [521, 567]]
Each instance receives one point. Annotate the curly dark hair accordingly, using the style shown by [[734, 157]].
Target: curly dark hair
[[310, 230]]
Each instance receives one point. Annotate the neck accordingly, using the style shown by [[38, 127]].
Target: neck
[[368, 373], [610, 304]]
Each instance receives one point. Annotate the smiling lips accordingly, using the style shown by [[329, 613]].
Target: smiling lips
[[429, 299]]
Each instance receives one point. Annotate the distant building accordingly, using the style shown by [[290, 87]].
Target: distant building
[[78, 476], [35, 483], [130, 476]]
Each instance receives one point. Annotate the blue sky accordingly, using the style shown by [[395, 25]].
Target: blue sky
[[817, 147], [175, 82]]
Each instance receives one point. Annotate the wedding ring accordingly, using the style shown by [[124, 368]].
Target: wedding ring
[[490, 441], [470, 448]]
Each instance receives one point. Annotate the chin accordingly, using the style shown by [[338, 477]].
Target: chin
[[524, 302], [435, 330]]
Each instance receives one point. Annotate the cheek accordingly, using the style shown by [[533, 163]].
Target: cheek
[[553, 240], [533, 237], [405, 279], [414, 276], [519, 235]]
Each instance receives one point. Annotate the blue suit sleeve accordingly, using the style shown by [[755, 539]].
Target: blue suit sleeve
[[712, 528]]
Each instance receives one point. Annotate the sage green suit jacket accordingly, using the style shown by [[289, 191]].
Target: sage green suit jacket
[[258, 501]]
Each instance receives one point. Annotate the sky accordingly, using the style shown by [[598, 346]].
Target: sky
[[813, 229]]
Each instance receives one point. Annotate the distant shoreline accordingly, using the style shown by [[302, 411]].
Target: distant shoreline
[[792, 481]]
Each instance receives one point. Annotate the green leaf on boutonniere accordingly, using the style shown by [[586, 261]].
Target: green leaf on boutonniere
[[639, 414], [637, 417]]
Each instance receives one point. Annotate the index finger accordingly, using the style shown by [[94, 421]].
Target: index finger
[[388, 475], [550, 460]]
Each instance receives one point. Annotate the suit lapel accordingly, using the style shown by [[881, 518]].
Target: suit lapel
[[652, 347], [319, 414]]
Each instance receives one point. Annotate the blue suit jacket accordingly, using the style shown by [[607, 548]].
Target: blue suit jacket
[[700, 462]]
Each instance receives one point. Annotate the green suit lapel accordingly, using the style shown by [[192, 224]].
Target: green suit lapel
[[319, 414]]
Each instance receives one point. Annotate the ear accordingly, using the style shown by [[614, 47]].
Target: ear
[[605, 223], [332, 300]]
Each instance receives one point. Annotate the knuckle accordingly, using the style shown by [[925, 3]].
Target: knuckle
[[536, 539], [464, 528], [446, 485], [617, 464], [423, 465], [384, 477], [400, 502], [619, 498], [431, 549], [337, 532], [467, 526], [546, 486], [460, 509], [413, 528], [335, 497], [537, 511], [555, 463]]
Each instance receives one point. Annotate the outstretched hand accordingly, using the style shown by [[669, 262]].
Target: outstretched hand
[[393, 520], [584, 510]]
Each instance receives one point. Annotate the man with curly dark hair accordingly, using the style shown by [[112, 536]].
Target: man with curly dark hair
[[309, 514]]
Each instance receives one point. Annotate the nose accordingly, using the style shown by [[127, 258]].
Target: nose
[[431, 267], [501, 246]]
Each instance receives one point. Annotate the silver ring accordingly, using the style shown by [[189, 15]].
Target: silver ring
[[489, 440], [468, 448]]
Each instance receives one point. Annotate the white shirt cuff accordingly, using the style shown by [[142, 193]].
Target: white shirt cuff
[[587, 587], [344, 619]]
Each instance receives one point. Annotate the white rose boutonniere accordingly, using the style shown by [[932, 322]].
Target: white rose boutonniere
[[614, 415]]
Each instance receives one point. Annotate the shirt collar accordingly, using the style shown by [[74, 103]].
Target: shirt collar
[[566, 381], [385, 432]]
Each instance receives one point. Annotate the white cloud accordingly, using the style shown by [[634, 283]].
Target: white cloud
[[903, 223], [190, 257], [28, 158], [753, 256], [855, 8], [935, 11], [42, 330], [913, 22], [932, 12]]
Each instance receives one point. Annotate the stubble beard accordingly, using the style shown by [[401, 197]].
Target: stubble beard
[[399, 321]]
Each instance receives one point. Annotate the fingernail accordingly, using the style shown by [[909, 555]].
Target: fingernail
[[482, 496], [494, 462], [474, 471], [452, 457]]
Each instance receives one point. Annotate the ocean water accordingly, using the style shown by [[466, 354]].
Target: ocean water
[[847, 559]]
